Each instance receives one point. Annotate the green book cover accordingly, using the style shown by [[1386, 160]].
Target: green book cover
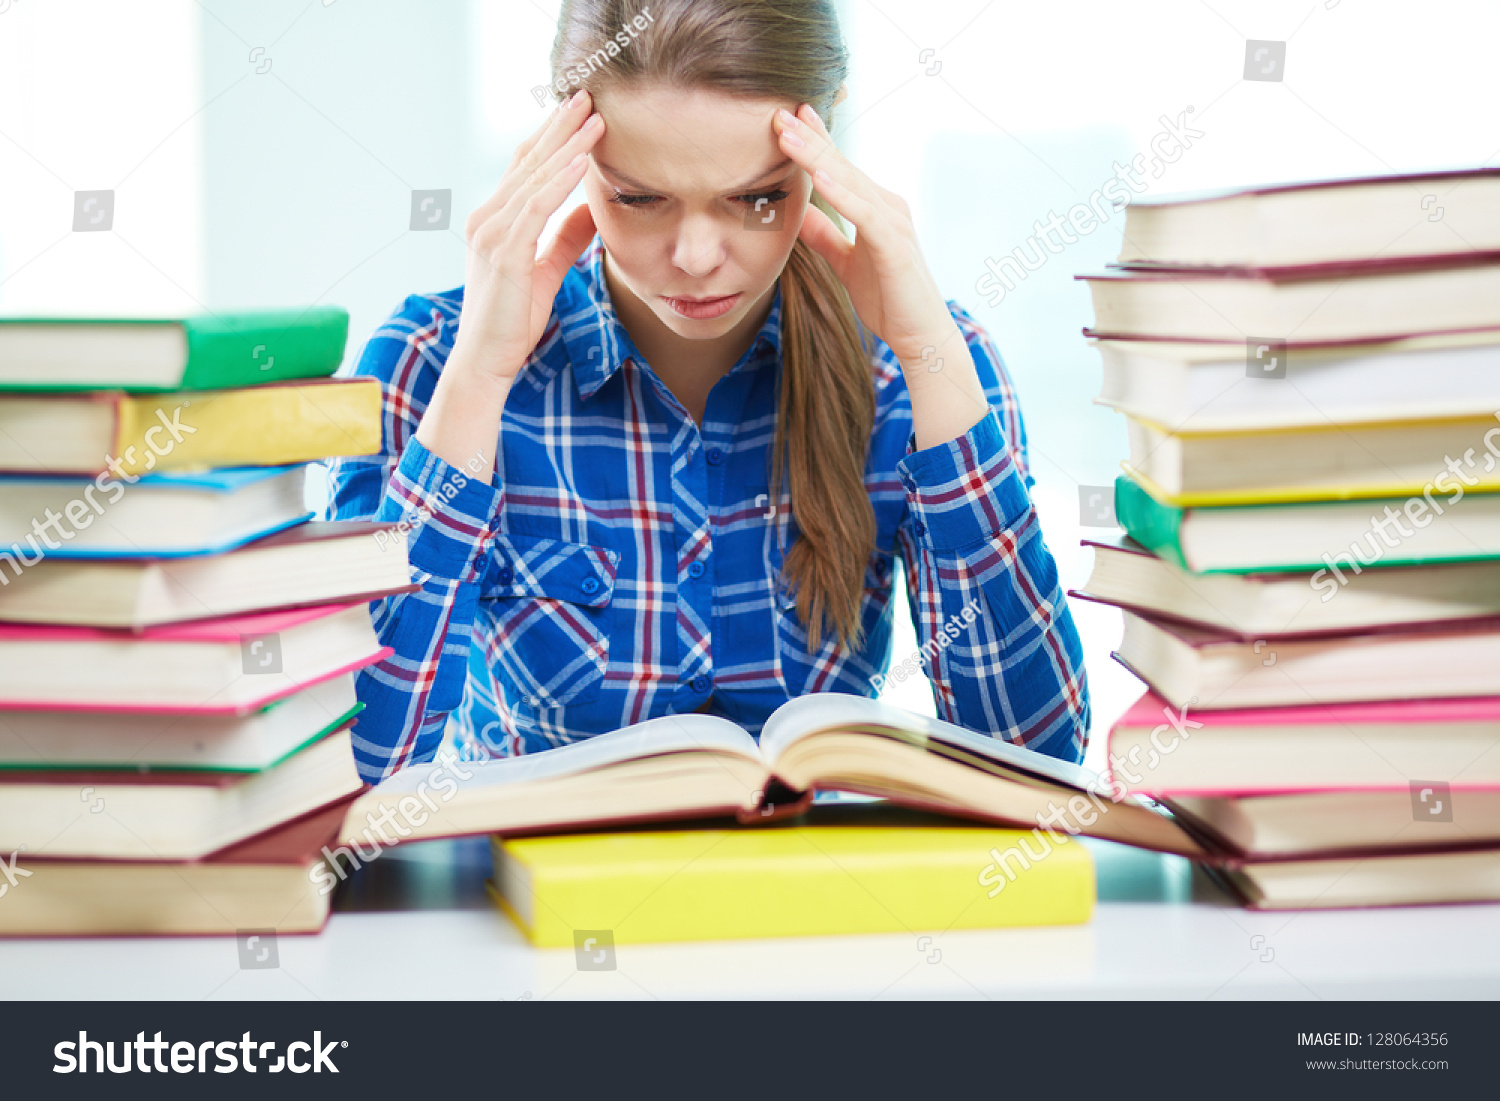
[[135, 767], [1157, 526], [1152, 524], [222, 351]]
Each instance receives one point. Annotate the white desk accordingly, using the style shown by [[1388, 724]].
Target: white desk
[[1160, 931]]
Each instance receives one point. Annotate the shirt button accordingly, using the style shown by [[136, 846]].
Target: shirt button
[[590, 585], [715, 456], [505, 575], [696, 569], [920, 528], [699, 683]]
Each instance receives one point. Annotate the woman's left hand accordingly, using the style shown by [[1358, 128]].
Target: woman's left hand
[[882, 269]]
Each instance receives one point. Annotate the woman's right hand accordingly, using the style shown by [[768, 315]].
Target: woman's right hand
[[509, 289]]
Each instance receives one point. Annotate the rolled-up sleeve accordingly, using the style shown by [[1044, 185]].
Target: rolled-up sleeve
[[445, 515], [1004, 655]]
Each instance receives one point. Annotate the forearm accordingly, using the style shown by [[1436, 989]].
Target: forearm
[[989, 611], [999, 640], [407, 697], [947, 398], [443, 515], [462, 421], [435, 482]]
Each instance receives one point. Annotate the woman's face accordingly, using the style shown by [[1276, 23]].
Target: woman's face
[[696, 203]]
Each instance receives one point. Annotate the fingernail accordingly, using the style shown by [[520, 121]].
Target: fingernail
[[574, 98], [792, 139], [787, 118]]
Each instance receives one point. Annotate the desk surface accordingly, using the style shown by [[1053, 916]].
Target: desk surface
[[416, 924]]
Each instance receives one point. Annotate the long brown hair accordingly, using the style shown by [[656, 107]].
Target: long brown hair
[[789, 50]]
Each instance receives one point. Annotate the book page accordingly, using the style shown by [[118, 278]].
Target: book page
[[652, 737], [819, 711]]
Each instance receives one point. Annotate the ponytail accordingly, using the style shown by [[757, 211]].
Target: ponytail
[[825, 415]]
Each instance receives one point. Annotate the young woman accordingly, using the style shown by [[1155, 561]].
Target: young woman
[[666, 465]]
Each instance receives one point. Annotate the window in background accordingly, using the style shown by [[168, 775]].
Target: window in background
[[96, 97], [989, 118], [244, 179]]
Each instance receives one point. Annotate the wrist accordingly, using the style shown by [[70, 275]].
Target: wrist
[[463, 418], [477, 372], [927, 354], [943, 361]]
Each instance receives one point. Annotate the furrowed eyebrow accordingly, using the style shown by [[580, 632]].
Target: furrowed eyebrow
[[632, 182]]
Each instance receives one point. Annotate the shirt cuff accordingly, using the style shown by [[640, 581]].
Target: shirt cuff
[[964, 490], [447, 513]]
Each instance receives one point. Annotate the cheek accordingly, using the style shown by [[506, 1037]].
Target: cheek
[[767, 252], [606, 214], [629, 236], [763, 255]]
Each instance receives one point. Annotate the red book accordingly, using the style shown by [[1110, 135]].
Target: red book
[[1275, 604], [1214, 670], [268, 884], [1441, 216], [1328, 303]]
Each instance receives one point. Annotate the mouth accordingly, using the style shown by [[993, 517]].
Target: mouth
[[702, 309]]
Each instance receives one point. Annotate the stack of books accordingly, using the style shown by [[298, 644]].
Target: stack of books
[[1311, 577], [178, 641]]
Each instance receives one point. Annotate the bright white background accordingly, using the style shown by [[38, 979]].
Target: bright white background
[[263, 153]]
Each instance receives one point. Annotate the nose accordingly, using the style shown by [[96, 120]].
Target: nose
[[699, 249]]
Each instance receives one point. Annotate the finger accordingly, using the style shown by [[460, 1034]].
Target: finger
[[808, 125], [500, 243], [815, 153], [541, 146], [568, 120], [573, 236], [548, 123], [525, 214], [561, 124], [882, 217], [826, 239]]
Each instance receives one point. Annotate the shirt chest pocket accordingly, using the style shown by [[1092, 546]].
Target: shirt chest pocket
[[549, 604]]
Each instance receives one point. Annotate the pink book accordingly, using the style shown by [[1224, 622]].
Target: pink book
[[232, 665], [1158, 751], [224, 629], [1149, 709]]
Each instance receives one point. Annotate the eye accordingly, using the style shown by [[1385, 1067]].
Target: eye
[[769, 196], [636, 200], [625, 199]]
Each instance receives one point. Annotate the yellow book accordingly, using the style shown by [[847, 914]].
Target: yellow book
[[644, 886], [1443, 457], [269, 425]]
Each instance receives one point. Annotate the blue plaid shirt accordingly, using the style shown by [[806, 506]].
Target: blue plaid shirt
[[619, 562]]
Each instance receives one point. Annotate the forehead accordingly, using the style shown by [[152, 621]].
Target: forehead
[[686, 141]]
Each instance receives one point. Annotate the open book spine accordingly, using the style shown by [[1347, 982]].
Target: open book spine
[[778, 802]]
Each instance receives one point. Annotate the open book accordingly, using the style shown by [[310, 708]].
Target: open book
[[694, 766]]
